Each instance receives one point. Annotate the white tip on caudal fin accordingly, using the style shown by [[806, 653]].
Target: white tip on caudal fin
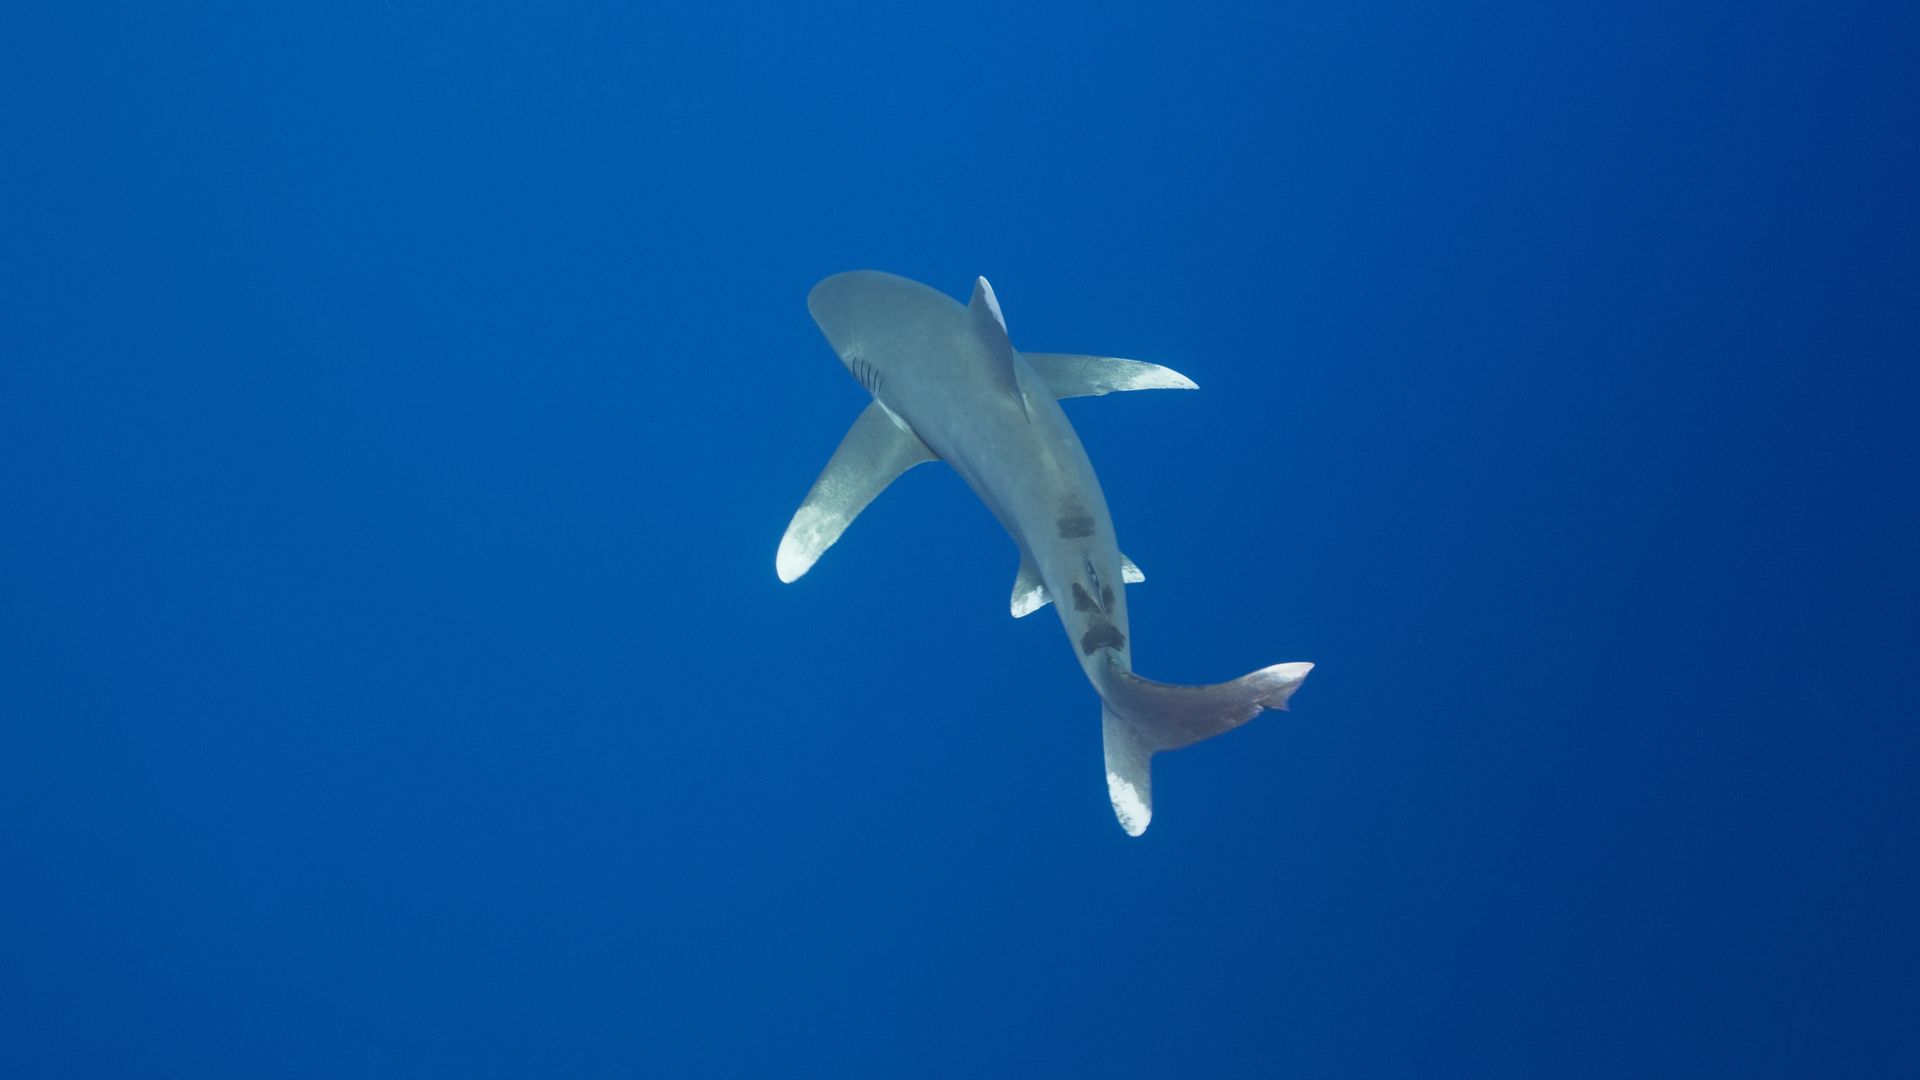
[[1129, 773], [1169, 717]]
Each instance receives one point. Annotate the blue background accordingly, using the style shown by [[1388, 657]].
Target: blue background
[[400, 406]]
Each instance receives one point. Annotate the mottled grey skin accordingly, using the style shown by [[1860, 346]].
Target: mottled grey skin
[[948, 384], [940, 371]]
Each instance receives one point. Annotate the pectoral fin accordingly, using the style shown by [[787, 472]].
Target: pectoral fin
[[875, 450], [1130, 573], [1069, 375]]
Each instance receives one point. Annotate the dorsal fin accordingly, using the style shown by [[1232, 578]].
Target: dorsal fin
[[985, 309], [984, 300]]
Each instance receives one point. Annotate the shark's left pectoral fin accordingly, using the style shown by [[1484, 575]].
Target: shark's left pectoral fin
[[876, 449], [1069, 375]]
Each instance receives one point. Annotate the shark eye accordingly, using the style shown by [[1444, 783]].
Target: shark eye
[[1092, 574]]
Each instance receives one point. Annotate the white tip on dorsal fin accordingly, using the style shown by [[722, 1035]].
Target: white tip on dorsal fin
[[983, 298], [1130, 573], [985, 311]]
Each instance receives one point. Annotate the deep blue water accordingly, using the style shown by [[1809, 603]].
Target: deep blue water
[[400, 406]]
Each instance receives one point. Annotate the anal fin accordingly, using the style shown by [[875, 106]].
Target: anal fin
[[875, 451]]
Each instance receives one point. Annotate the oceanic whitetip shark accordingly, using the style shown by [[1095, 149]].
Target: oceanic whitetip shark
[[947, 383]]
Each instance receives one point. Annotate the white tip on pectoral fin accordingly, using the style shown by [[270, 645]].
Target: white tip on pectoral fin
[[1129, 773], [1073, 375], [875, 451], [809, 535]]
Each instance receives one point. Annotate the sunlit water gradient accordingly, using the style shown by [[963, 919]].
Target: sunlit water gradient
[[400, 407]]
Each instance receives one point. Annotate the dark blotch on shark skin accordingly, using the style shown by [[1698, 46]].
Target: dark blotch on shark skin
[[1083, 600], [1076, 527], [1106, 598], [1101, 635]]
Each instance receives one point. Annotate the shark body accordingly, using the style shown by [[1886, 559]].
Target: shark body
[[947, 384]]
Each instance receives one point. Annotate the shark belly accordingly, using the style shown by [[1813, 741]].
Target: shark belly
[[1032, 472]]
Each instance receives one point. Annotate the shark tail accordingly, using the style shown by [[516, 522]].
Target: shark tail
[[1140, 717]]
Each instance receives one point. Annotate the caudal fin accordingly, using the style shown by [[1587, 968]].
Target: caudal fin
[[1129, 774], [1140, 717]]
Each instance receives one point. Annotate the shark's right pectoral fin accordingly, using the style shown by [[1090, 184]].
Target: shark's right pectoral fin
[[1069, 375], [875, 450]]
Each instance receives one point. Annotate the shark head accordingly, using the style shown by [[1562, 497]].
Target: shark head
[[838, 307], [874, 320]]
